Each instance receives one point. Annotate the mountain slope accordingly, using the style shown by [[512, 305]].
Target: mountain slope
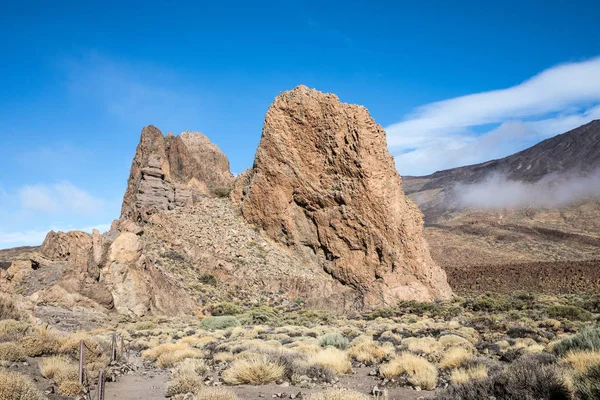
[[479, 246]]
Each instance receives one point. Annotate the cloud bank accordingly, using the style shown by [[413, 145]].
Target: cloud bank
[[497, 192], [482, 126]]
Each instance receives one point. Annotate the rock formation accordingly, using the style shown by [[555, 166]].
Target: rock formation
[[168, 171], [324, 184]]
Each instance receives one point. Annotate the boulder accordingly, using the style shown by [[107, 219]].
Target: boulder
[[324, 184]]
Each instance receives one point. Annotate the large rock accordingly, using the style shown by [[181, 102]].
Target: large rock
[[324, 184], [168, 171], [72, 246]]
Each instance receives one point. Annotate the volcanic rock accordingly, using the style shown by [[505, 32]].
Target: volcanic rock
[[168, 171], [324, 184]]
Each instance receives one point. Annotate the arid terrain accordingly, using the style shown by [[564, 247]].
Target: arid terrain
[[313, 276]]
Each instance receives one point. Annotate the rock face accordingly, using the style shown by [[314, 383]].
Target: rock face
[[72, 246], [324, 184], [168, 171]]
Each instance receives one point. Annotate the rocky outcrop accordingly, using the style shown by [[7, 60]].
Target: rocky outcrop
[[167, 172], [324, 184], [72, 247]]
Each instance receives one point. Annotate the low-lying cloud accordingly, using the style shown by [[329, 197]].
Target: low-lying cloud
[[497, 191]]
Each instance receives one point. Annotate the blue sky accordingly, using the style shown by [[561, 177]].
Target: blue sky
[[453, 83]]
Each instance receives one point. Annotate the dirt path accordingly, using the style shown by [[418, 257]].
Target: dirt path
[[143, 384]]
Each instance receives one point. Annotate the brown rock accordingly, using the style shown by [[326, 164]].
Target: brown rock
[[167, 172], [72, 246], [324, 184]]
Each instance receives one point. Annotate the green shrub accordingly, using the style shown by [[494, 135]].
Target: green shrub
[[572, 313], [262, 315], [221, 322], [334, 339], [222, 191], [380, 313], [587, 385], [144, 325], [208, 279], [586, 339], [226, 308]]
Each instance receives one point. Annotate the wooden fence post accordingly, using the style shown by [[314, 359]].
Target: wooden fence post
[[100, 388], [113, 350], [81, 352]]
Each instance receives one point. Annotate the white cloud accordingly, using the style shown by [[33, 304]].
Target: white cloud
[[442, 134], [36, 237], [58, 198]]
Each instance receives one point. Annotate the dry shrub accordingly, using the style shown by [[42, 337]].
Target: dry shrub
[[368, 351], [448, 341], [582, 360], [11, 352], [49, 366], [461, 375], [338, 394], [257, 370], [424, 345], [14, 386], [154, 353], [40, 343], [418, 370], [8, 309], [94, 350], [70, 388], [69, 372], [223, 356], [193, 365], [213, 393], [11, 329], [332, 359], [455, 357], [184, 379], [168, 360]]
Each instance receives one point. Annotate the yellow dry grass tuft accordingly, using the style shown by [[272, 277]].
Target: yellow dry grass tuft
[[11, 329], [420, 372], [152, 354], [338, 394], [333, 359], [10, 351], [213, 393], [70, 388], [257, 370], [425, 345], [462, 375], [169, 359], [14, 386], [582, 360], [454, 357], [49, 366], [368, 351]]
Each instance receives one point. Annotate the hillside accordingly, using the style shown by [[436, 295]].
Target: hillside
[[476, 245]]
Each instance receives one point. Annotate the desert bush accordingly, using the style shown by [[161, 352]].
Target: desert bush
[[40, 343], [586, 339], [184, 379], [333, 359], [68, 373], [14, 386], [11, 329], [335, 339], [226, 308], [380, 313], [525, 379], [582, 360], [8, 309], [455, 357], [425, 345], [461, 375], [262, 315], [569, 312], [307, 318], [338, 394], [432, 309], [144, 325], [208, 279], [10, 351], [256, 370], [366, 350], [214, 393], [217, 323], [93, 350], [70, 388], [587, 384], [49, 366], [418, 370], [222, 191], [169, 359]]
